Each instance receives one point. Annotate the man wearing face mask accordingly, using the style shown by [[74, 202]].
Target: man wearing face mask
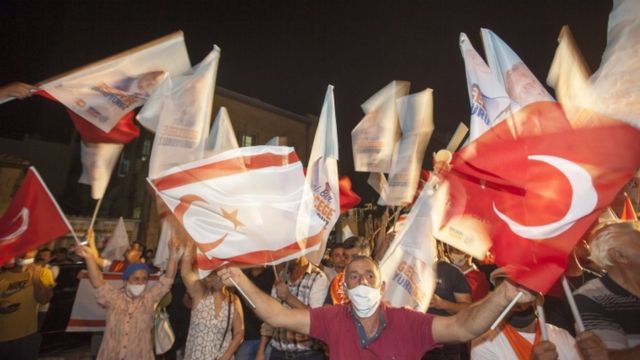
[[23, 286], [518, 337], [127, 333], [366, 328]]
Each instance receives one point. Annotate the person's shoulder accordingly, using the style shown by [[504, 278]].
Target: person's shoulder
[[591, 288]]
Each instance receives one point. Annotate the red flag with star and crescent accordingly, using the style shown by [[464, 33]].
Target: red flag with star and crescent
[[534, 196], [33, 218]]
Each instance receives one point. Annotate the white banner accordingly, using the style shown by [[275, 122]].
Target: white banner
[[184, 116], [105, 91], [98, 161]]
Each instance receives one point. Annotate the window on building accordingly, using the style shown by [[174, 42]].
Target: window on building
[[247, 140]]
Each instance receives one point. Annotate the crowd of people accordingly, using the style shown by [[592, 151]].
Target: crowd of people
[[295, 311], [302, 310]]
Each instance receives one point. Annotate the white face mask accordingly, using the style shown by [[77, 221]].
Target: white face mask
[[135, 290], [364, 300], [459, 260]]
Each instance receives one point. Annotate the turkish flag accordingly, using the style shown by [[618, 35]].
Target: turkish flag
[[32, 219], [348, 198], [535, 195], [124, 131]]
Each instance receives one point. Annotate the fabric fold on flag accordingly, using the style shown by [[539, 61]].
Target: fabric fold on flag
[[628, 213], [33, 218]]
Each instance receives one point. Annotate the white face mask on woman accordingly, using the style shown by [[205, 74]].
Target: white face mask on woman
[[459, 260], [365, 300], [135, 290]]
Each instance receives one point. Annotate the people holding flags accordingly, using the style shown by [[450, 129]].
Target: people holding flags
[[130, 309], [610, 306], [216, 329]]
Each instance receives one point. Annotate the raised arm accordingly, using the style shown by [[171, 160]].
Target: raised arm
[[93, 249], [237, 328], [475, 319], [95, 274], [267, 308], [188, 273]]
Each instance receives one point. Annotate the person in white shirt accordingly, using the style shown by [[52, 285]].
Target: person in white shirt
[[518, 337]]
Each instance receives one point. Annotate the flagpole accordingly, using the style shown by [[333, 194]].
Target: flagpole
[[543, 323], [253, 306], [506, 310], [95, 214], [572, 305]]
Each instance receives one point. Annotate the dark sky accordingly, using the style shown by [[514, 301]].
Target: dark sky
[[287, 52]]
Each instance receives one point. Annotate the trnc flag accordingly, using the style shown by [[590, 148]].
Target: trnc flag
[[488, 98], [519, 82], [628, 212], [321, 198], [184, 116], [102, 93], [535, 196], [415, 112], [117, 243], [98, 161], [86, 314], [569, 75], [376, 135], [33, 218], [407, 268], [241, 206], [222, 137]]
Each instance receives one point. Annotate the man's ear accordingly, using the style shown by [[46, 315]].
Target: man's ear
[[615, 256]]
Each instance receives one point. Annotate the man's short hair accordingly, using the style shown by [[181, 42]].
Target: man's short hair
[[606, 238], [350, 242], [336, 246]]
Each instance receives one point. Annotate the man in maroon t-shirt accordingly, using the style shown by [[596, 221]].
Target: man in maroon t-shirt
[[367, 329]]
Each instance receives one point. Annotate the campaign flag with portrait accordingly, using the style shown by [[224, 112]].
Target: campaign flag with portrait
[[104, 93]]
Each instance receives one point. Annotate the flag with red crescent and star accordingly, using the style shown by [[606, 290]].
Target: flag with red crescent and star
[[33, 218]]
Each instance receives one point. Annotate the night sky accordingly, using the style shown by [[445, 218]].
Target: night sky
[[286, 52]]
